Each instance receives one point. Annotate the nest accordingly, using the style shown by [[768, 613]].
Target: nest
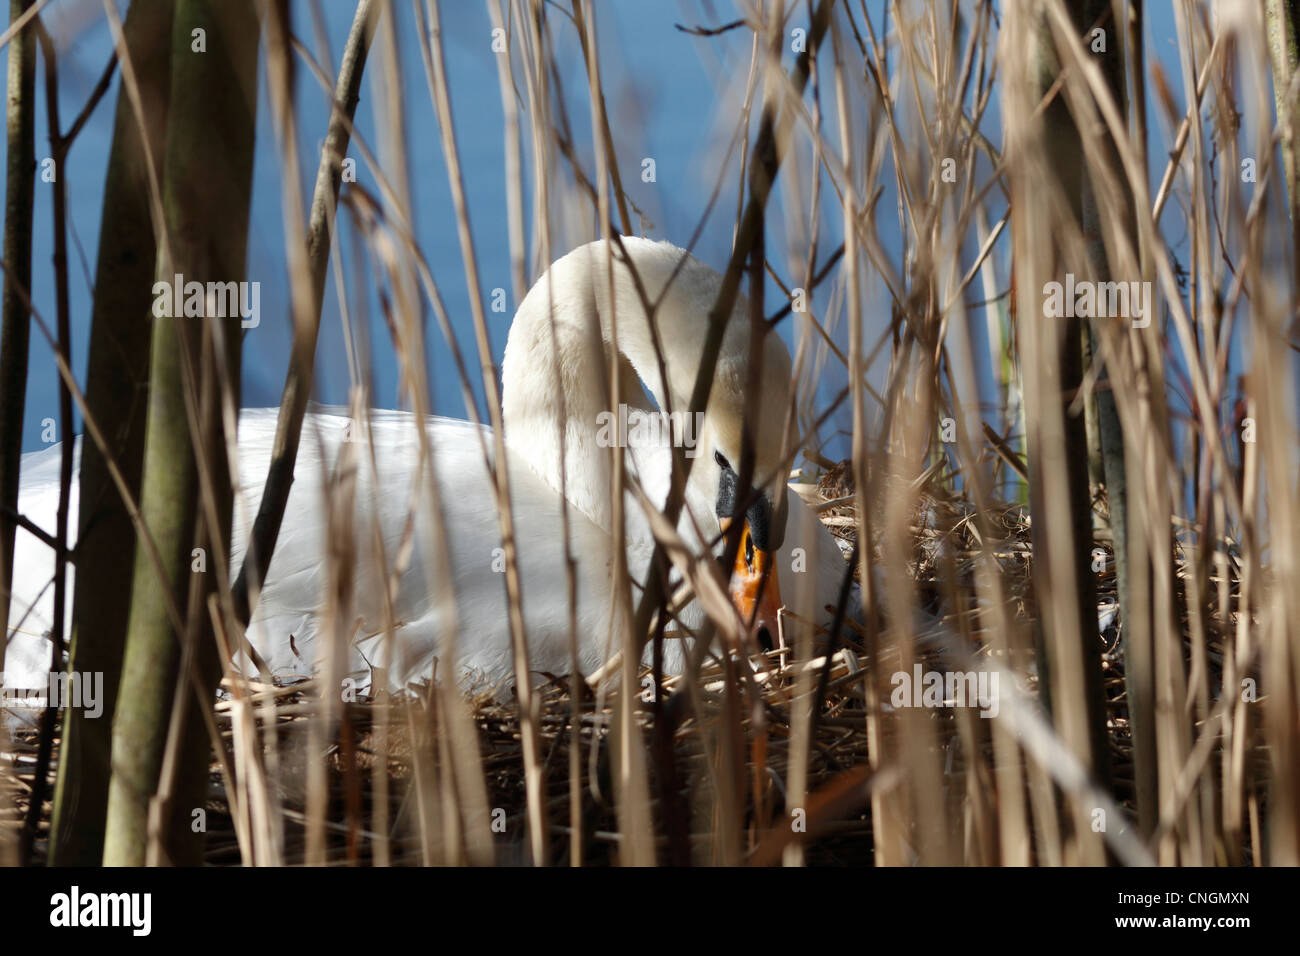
[[717, 778]]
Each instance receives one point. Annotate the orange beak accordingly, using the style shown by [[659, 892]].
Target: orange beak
[[755, 591]]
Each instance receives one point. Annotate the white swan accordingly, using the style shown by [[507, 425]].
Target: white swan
[[289, 628]]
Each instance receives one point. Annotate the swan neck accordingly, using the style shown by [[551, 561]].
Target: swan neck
[[555, 378]]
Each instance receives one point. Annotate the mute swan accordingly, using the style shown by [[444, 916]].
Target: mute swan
[[288, 627]]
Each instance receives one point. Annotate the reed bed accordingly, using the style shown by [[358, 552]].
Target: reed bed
[[942, 536], [1102, 510]]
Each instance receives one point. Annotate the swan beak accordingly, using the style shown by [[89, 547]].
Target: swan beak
[[756, 592]]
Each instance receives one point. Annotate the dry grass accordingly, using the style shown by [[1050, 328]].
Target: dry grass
[[919, 164], [840, 831]]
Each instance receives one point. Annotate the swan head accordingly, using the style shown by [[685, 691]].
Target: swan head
[[753, 583], [760, 507]]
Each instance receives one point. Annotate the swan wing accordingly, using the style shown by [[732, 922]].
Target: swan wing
[[394, 530], [31, 604]]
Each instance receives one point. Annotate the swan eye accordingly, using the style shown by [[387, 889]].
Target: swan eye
[[749, 550]]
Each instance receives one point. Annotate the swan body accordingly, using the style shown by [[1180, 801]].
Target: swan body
[[391, 513]]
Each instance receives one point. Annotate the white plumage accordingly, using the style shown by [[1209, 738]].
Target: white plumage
[[290, 628]]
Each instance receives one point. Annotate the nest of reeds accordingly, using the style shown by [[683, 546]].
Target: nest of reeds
[[736, 739], [730, 741]]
